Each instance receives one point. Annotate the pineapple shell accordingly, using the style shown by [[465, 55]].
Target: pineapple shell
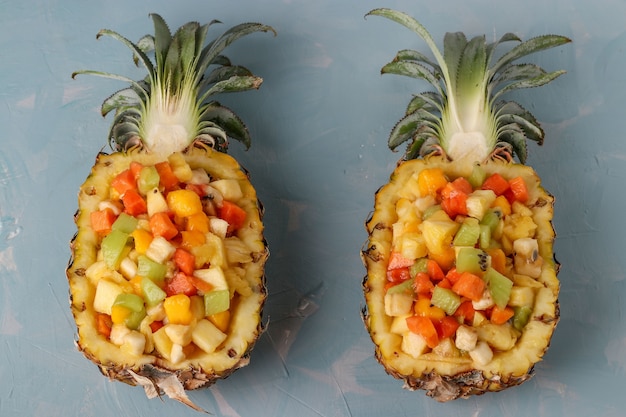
[[450, 378], [156, 374]]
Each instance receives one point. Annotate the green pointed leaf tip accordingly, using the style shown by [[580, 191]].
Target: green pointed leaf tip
[[167, 109], [468, 80]]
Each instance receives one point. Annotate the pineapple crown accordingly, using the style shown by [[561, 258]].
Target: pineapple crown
[[465, 117], [171, 107]]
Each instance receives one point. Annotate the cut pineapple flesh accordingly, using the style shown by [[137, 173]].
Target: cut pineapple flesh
[[511, 258], [171, 326]]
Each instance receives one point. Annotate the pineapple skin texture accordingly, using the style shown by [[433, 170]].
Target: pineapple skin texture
[[450, 378], [246, 321]]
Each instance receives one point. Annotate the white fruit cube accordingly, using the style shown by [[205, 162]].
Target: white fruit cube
[[413, 344], [229, 189], [155, 201], [398, 304], [134, 343], [218, 226], [482, 353], [160, 250], [214, 275], [207, 336], [178, 333], [177, 355], [466, 338]]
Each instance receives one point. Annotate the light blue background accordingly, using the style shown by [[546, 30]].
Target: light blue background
[[319, 125]]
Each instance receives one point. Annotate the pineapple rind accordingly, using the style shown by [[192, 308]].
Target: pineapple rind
[[246, 325], [449, 378]]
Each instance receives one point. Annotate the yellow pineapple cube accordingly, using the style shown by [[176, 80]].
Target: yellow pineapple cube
[[207, 336]]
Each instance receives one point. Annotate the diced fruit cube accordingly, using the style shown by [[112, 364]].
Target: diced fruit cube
[[162, 343], [214, 275], [221, 320], [521, 296], [468, 233], [113, 247], [445, 299], [134, 343], [148, 179], [438, 230], [150, 269], [500, 337], [106, 293], [184, 202], [482, 353], [430, 181], [478, 202], [142, 239], [155, 202], [228, 188], [413, 344], [218, 226], [216, 301], [152, 293], [473, 260], [466, 338], [178, 309], [179, 334], [207, 336], [499, 287], [398, 304], [160, 250]]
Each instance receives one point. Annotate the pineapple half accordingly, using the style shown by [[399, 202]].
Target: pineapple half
[[461, 288], [167, 120]]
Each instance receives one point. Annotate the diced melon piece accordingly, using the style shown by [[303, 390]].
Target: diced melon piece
[[466, 338], [482, 353], [413, 344], [207, 336], [160, 250], [398, 304], [178, 333], [106, 293], [228, 188]]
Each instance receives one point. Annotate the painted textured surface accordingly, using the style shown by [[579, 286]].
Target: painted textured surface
[[319, 126]]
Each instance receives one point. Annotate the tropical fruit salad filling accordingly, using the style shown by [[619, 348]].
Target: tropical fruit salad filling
[[170, 263], [464, 262]]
